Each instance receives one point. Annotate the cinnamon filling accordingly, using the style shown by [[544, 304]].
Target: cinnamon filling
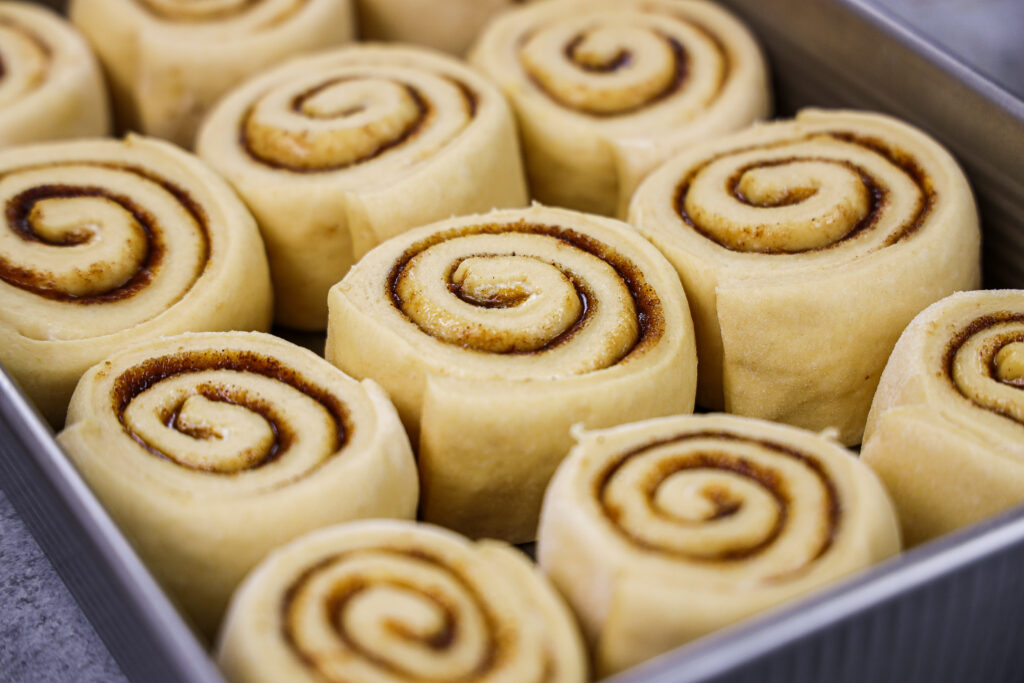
[[252, 136], [1004, 361], [723, 503], [152, 371], [499, 644], [876, 192], [18, 214], [650, 318]]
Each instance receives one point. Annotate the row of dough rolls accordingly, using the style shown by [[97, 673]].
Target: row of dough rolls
[[169, 61], [50, 82], [337, 152], [395, 601], [606, 90], [105, 243], [662, 531], [805, 247], [494, 333], [211, 449], [946, 427]]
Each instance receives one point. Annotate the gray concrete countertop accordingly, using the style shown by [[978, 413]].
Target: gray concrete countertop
[[43, 634]]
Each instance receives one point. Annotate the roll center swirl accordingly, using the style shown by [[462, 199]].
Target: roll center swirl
[[985, 363], [229, 412], [378, 611], [49, 219], [612, 67], [324, 122], [806, 194], [497, 303], [334, 124], [1009, 363], [527, 291], [719, 498]]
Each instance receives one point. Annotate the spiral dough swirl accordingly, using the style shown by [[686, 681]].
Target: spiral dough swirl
[[104, 243], [946, 423], [50, 84], [356, 143], [206, 411], [170, 61], [985, 363], [519, 289], [396, 600], [619, 60], [354, 578], [482, 324], [788, 235], [333, 124], [609, 90], [87, 243], [243, 426], [806, 194], [660, 531], [722, 497]]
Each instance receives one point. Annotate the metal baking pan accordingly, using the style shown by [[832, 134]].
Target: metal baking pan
[[951, 610]]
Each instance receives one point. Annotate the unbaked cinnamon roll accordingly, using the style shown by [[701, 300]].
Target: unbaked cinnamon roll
[[605, 90], [169, 61], [397, 601], [448, 25], [105, 243], [662, 531], [495, 333], [805, 247], [337, 152], [211, 449], [50, 83], [946, 428]]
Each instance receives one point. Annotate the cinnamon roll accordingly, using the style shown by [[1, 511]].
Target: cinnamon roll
[[495, 333], [946, 427], [447, 25], [211, 449], [337, 152], [105, 243], [169, 61], [395, 601], [605, 90], [50, 83], [662, 531], [805, 247]]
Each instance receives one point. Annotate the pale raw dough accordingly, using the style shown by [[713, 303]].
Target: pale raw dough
[[211, 449], [108, 242], [495, 333], [50, 84], [385, 139], [605, 90], [169, 61], [447, 25], [392, 601], [805, 247], [662, 531], [946, 428]]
